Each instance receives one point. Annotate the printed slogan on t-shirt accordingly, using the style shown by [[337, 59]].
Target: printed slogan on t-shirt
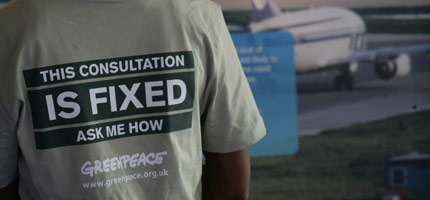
[[93, 101]]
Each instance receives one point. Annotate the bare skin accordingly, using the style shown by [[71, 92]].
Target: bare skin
[[226, 176]]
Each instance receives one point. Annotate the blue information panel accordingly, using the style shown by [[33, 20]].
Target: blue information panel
[[268, 62]]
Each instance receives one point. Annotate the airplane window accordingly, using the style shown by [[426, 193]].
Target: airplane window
[[359, 41]]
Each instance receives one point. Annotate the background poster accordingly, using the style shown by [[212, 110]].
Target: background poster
[[268, 63], [363, 82]]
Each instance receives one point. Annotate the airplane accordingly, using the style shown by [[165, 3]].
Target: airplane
[[331, 37]]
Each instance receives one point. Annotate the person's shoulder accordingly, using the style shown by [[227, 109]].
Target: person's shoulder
[[14, 8], [204, 11], [203, 5], [191, 6], [15, 12]]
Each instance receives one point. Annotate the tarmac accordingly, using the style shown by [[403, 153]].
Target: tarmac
[[320, 107]]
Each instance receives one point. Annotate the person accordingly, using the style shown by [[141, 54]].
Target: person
[[117, 99]]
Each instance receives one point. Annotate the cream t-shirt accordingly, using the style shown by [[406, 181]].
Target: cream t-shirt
[[110, 99]]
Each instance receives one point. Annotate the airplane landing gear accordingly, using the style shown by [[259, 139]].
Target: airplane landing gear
[[344, 80]]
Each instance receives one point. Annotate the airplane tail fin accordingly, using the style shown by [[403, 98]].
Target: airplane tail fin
[[263, 9]]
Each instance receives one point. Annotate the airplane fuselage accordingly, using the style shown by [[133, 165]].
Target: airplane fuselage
[[324, 37]]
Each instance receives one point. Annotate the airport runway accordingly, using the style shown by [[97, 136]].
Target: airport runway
[[321, 108]]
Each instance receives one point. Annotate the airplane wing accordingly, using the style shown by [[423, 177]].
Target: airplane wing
[[387, 52], [389, 62]]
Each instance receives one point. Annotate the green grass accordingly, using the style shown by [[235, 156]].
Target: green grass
[[393, 10], [340, 164], [397, 26], [238, 17]]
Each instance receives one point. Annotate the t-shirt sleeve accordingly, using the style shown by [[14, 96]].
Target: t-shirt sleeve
[[230, 118], [8, 125]]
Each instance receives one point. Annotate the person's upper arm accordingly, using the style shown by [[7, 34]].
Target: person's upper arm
[[230, 117]]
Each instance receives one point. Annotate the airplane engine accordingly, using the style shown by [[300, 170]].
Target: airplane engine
[[390, 68]]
